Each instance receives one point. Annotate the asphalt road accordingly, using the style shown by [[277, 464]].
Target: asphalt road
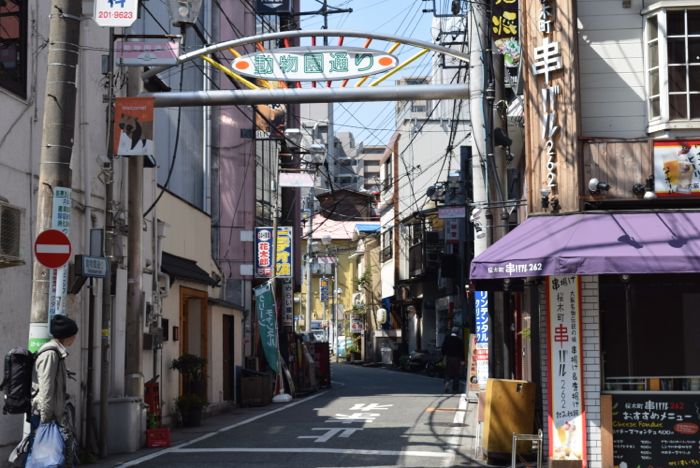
[[371, 417]]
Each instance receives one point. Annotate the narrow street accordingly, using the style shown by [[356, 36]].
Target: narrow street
[[370, 417]]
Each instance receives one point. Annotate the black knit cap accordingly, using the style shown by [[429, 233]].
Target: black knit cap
[[62, 327]]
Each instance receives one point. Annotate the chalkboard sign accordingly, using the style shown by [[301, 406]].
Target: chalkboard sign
[[653, 430]]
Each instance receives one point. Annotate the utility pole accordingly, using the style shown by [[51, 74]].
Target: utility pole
[[56, 143], [133, 368], [108, 171], [500, 213], [309, 252], [477, 41]]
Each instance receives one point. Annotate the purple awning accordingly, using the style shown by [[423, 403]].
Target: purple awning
[[593, 243]]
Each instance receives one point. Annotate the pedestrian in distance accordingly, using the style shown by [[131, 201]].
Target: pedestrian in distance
[[50, 402], [453, 353]]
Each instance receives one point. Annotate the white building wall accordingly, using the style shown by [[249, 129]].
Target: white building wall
[[20, 149], [611, 69], [591, 368]]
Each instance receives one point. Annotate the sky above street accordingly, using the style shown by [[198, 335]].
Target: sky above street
[[373, 123]]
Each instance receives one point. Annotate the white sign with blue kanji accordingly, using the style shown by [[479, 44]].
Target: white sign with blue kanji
[[115, 13]]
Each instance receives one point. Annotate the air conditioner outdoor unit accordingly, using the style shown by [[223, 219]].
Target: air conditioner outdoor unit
[[10, 222]]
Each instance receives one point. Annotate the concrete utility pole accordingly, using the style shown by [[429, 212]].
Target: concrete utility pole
[[499, 354], [106, 324], [477, 41], [309, 252], [56, 143], [133, 368]]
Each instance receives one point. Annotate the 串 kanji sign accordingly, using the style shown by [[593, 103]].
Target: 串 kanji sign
[[567, 416], [52, 248], [115, 13], [314, 63]]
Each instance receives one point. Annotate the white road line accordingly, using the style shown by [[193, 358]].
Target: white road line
[[151, 456], [391, 453], [455, 432]]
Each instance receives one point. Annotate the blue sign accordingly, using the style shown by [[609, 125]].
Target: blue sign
[[481, 306], [323, 287]]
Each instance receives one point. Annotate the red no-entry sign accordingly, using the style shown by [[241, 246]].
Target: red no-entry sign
[[52, 248]]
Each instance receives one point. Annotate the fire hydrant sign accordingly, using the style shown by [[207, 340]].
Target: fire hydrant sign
[[116, 13]]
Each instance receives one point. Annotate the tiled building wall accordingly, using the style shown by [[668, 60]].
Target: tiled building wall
[[591, 367]]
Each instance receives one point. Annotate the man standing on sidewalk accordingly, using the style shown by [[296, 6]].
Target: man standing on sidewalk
[[453, 352]]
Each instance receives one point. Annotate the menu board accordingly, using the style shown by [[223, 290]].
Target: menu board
[[656, 430]]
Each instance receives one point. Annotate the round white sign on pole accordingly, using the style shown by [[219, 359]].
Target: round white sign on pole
[[115, 13]]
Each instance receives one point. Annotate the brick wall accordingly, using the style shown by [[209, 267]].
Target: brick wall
[[591, 366]]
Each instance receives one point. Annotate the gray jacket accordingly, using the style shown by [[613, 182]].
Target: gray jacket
[[51, 374]]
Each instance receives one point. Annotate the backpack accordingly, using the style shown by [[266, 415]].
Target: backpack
[[17, 380]]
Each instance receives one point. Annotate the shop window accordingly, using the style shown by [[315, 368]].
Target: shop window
[[672, 39], [649, 330], [13, 46]]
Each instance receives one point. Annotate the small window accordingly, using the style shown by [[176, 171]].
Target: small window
[[387, 239], [673, 67], [13, 46]]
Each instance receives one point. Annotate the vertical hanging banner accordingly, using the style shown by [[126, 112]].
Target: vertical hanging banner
[[58, 278], [567, 417], [133, 126], [283, 252], [267, 321], [263, 252], [481, 343], [504, 30]]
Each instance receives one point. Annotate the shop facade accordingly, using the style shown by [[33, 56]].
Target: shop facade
[[615, 298], [605, 263]]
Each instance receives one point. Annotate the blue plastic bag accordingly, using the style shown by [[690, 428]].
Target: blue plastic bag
[[47, 448]]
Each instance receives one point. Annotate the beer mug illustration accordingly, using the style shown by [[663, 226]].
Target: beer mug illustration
[[679, 172]]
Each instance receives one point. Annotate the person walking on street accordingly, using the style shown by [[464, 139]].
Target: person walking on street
[[49, 404], [453, 352]]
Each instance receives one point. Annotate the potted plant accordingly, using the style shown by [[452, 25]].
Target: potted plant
[[353, 351], [192, 401]]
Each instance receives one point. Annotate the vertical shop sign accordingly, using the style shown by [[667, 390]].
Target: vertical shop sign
[[481, 347], [58, 278], [283, 252], [547, 59], [263, 252], [288, 313], [265, 308], [567, 417], [504, 30], [323, 289]]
